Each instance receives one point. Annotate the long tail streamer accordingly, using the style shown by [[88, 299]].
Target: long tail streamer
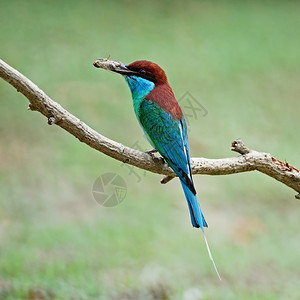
[[210, 256]]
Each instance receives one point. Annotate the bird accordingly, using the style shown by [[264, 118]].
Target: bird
[[164, 125]]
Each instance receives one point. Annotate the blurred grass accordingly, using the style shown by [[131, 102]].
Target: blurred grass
[[240, 59]]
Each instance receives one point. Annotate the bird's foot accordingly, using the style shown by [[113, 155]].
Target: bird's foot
[[162, 160], [151, 153]]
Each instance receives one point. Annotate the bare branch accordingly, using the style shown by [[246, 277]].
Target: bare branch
[[249, 160]]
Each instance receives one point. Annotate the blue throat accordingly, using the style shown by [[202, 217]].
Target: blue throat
[[139, 87]]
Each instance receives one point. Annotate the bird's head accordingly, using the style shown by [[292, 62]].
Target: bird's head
[[145, 78], [143, 69]]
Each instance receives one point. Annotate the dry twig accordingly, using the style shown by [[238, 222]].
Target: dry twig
[[249, 160]]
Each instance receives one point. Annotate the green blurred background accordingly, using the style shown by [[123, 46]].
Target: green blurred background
[[240, 60]]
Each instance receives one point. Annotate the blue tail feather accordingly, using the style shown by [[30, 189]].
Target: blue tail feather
[[197, 217]]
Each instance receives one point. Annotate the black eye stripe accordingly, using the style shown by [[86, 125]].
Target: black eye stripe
[[149, 76], [143, 74]]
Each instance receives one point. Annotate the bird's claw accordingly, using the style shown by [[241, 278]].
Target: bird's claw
[[162, 160], [150, 152]]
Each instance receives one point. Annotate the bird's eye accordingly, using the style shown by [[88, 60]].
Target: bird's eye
[[143, 71]]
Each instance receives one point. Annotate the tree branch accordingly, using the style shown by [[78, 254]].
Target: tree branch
[[249, 160]]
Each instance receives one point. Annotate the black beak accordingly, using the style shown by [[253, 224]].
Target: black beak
[[114, 66]]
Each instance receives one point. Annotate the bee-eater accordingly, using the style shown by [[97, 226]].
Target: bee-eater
[[163, 122]]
